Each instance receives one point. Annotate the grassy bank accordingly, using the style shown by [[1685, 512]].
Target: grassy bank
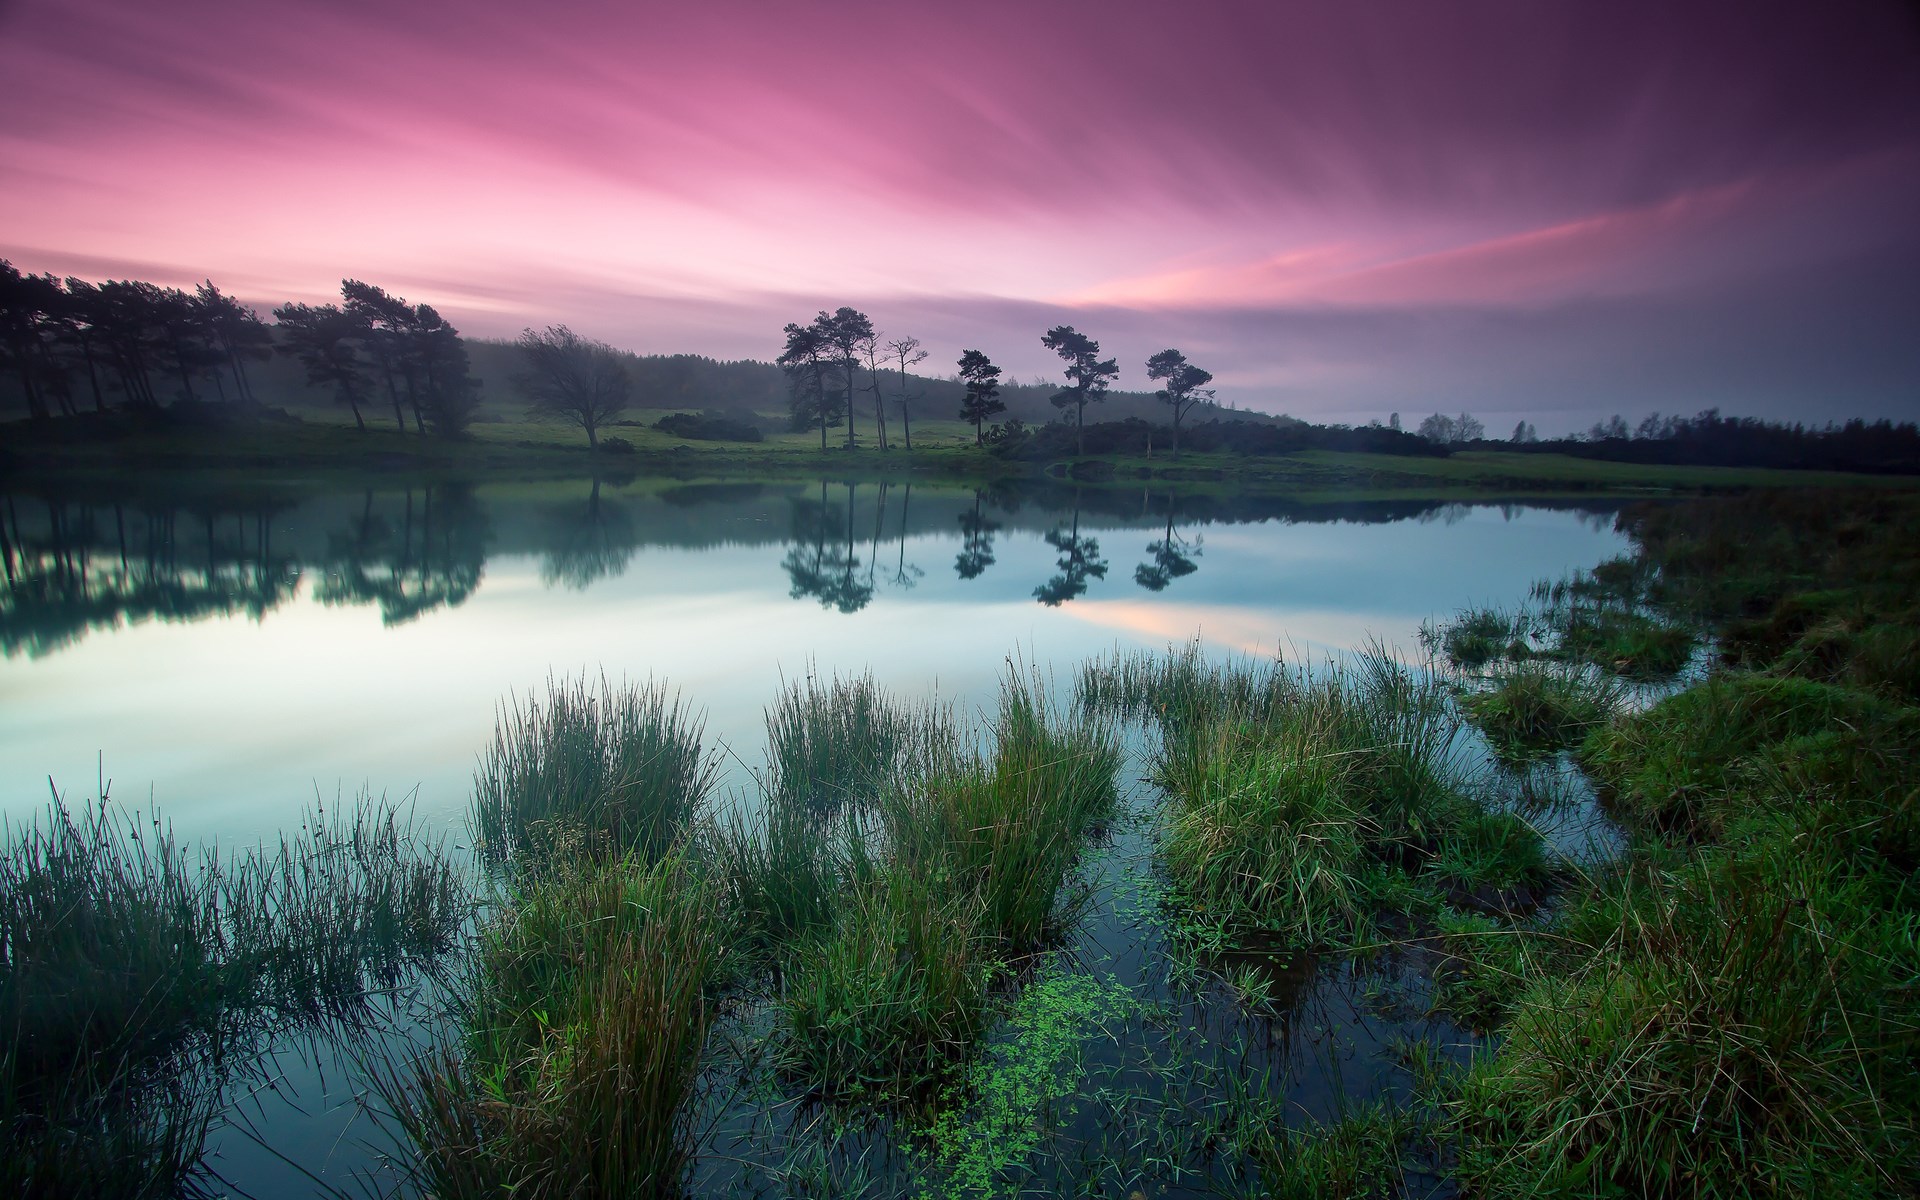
[[245, 450]]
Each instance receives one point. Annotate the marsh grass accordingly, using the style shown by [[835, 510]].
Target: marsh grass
[[894, 994], [1740, 1026], [964, 867], [1479, 636], [1532, 709], [1305, 801], [1628, 643], [1686, 764], [603, 771], [135, 976], [1359, 1156], [586, 1016], [842, 741]]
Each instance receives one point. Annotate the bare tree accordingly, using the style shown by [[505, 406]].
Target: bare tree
[[577, 380], [903, 353]]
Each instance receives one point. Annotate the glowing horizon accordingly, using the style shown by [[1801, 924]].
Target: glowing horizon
[[1554, 211]]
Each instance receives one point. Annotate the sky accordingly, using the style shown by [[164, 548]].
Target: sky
[[1549, 209]]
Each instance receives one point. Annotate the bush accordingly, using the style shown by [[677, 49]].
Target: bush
[[708, 427]]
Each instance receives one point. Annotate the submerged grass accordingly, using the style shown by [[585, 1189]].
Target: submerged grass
[[136, 975], [586, 1018], [604, 771], [1532, 709]]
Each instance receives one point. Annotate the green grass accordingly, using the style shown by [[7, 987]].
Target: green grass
[[594, 770], [1532, 709], [1687, 764], [135, 976], [839, 742], [586, 1018]]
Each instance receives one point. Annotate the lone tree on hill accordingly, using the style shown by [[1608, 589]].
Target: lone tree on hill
[[1088, 376], [983, 392], [576, 379], [1186, 386]]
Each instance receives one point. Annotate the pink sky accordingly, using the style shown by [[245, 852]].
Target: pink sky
[[1557, 209]]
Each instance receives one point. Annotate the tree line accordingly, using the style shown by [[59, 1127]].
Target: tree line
[[824, 360], [71, 344]]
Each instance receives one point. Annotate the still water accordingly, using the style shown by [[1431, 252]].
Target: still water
[[231, 656]]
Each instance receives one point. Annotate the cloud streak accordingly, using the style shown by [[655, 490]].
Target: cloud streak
[[1225, 176]]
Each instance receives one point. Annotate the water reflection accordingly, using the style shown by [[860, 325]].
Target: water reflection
[[71, 562], [431, 555], [1079, 562], [1170, 558]]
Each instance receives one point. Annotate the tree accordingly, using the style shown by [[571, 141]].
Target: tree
[[806, 361], [1614, 427], [1186, 386], [1442, 429], [577, 380], [322, 339], [26, 305], [903, 353], [1088, 375], [1524, 433], [982, 399], [385, 328], [448, 393], [850, 334], [236, 332]]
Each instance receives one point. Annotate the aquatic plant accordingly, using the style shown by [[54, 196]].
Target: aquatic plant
[[585, 1016], [604, 771], [1531, 709], [842, 741]]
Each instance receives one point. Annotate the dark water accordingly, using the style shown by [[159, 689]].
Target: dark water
[[231, 656]]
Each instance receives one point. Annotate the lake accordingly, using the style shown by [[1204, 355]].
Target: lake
[[233, 655]]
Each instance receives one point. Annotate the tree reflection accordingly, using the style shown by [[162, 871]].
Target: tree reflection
[[976, 547], [590, 544], [1079, 562], [433, 558], [1171, 558], [83, 567], [821, 563]]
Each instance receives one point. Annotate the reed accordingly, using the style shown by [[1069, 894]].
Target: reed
[[842, 741], [604, 771], [586, 1018], [135, 976]]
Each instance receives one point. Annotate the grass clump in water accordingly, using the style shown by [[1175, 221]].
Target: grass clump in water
[[1532, 709], [827, 745], [136, 977], [1479, 636], [607, 772], [586, 1017], [1293, 788], [894, 993], [1627, 643]]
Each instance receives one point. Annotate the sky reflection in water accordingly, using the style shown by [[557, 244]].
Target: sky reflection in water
[[232, 724]]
